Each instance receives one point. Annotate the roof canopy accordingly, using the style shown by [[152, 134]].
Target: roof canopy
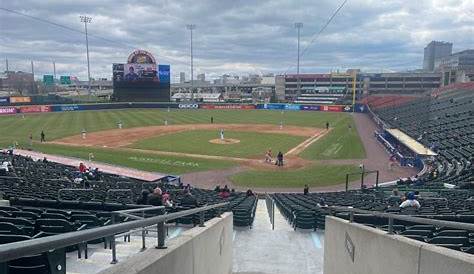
[[411, 143]]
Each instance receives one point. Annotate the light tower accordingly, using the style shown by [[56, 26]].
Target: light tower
[[86, 20], [298, 26], [191, 27]]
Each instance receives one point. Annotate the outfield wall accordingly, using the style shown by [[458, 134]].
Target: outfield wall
[[353, 248], [135, 105], [200, 250]]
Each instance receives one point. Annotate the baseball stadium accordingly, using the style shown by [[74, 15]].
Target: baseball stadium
[[353, 172]]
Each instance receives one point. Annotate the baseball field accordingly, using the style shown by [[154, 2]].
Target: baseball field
[[176, 141]]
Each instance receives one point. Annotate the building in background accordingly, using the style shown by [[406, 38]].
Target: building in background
[[201, 77], [338, 87], [433, 51], [182, 77], [19, 82], [457, 67]]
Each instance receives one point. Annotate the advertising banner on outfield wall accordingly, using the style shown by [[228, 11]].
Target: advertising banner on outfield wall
[[7, 110], [65, 108], [209, 106], [188, 106], [20, 99], [311, 107], [331, 108], [271, 106], [292, 107], [33, 109], [4, 100]]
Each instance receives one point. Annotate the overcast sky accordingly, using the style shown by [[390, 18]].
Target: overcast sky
[[232, 36]]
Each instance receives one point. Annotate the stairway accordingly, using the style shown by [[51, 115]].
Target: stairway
[[261, 250]]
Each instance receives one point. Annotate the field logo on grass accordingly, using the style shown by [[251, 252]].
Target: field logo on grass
[[163, 161], [333, 149]]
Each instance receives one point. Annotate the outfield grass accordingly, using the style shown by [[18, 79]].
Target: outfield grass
[[56, 125], [343, 142], [314, 176], [143, 161], [252, 144]]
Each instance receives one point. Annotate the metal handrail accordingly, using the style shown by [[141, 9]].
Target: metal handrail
[[17, 250], [133, 210], [391, 217]]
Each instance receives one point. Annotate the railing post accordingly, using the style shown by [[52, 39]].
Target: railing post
[[390, 225], [377, 180], [347, 182], [160, 231], [201, 219], [351, 216], [273, 214], [112, 242], [143, 233]]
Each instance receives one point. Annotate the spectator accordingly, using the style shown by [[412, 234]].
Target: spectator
[[143, 200], [82, 168], [322, 203], [249, 192], [226, 189], [224, 194], [167, 199], [45, 160], [410, 201], [217, 189], [306, 190], [156, 198]]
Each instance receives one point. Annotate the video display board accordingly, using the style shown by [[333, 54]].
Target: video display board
[[142, 79]]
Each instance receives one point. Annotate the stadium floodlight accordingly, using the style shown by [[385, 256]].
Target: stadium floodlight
[[298, 26], [191, 27], [86, 20]]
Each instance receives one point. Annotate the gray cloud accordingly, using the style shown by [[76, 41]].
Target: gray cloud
[[232, 36]]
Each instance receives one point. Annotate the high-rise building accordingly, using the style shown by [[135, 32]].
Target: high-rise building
[[434, 51], [182, 77]]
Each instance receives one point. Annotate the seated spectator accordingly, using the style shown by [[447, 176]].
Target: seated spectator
[[143, 200], [249, 192], [306, 190], [410, 201], [45, 160], [82, 168], [189, 200], [226, 189], [156, 199], [217, 188], [322, 203], [224, 194], [167, 199]]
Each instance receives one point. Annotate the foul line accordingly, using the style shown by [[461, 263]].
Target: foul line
[[306, 143]]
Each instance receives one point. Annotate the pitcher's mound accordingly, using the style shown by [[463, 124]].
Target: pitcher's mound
[[225, 141]]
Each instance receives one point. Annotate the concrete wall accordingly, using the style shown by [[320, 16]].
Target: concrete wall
[[376, 252], [201, 250]]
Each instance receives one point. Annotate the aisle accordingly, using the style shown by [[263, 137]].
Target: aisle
[[281, 251]]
